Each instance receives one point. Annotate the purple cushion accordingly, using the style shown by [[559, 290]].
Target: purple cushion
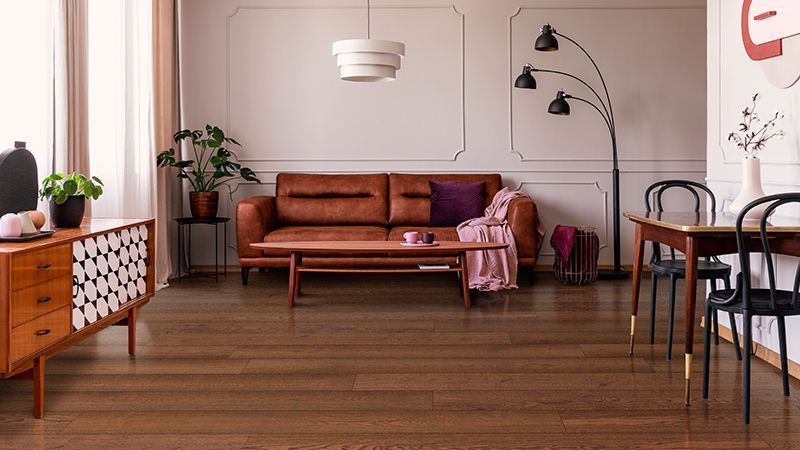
[[453, 202]]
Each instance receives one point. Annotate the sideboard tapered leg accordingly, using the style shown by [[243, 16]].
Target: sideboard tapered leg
[[38, 387]]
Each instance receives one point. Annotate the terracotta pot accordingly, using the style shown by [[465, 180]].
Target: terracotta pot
[[204, 204]]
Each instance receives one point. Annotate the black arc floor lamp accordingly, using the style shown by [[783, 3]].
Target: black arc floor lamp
[[547, 42]]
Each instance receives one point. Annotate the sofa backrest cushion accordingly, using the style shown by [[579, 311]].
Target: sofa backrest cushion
[[410, 194], [313, 199]]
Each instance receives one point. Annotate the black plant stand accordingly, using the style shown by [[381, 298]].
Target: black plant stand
[[189, 221]]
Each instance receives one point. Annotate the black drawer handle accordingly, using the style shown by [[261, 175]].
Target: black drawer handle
[[43, 266], [44, 299], [44, 332]]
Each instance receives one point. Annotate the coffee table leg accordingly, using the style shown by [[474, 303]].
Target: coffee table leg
[[298, 291], [458, 278], [638, 259], [462, 258], [292, 277]]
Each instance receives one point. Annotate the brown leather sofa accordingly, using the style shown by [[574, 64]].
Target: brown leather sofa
[[309, 207]]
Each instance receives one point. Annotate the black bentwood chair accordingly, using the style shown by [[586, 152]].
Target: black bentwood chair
[[707, 269], [749, 302]]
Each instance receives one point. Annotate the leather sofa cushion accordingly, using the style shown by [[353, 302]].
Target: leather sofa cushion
[[442, 233], [410, 194], [313, 199]]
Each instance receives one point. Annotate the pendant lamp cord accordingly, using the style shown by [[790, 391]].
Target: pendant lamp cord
[[368, 24]]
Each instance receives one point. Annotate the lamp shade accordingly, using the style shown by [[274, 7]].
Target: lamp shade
[[368, 59], [559, 106], [525, 80], [546, 42]]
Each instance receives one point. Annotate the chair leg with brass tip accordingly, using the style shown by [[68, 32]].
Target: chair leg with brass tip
[[633, 332], [688, 377]]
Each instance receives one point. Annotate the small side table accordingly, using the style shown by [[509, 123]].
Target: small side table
[[189, 221]]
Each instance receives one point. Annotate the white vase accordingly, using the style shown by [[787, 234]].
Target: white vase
[[751, 190]]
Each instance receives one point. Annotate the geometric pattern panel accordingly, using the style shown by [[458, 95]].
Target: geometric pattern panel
[[107, 271]]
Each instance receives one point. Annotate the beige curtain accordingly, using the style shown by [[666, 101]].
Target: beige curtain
[[166, 120], [77, 101], [74, 129]]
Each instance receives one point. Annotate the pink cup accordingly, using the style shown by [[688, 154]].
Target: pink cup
[[412, 237]]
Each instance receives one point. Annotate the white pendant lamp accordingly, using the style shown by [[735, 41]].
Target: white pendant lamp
[[368, 59]]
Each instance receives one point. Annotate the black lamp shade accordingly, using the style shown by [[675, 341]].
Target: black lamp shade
[[559, 106], [546, 42], [525, 80]]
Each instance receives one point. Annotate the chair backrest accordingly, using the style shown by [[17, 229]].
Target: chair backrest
[[660, 187], [776, 201], [691, 186]]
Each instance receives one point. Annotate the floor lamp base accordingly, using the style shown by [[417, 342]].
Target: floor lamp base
[[612, 274]]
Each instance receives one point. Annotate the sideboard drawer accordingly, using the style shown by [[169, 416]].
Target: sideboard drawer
[[40, 299], [33, 336], [36, 266]]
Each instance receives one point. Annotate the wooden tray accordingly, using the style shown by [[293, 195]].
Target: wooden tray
[[419, 244], [28, 237]]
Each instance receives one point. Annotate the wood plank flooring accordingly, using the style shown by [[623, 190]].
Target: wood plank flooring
[[392, 362]]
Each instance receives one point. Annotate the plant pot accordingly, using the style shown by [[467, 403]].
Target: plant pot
[[68, 214], [751, 190], [204, 204]]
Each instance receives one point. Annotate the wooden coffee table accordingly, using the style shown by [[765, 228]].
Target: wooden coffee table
[[359, 249]]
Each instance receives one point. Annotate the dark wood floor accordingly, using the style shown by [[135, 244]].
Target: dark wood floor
[[391, 362]]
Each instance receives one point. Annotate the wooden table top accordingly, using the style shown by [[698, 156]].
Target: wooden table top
[[377, 246], [705, 222], [90, 228]]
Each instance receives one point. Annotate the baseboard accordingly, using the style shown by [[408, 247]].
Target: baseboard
[[763, 352]]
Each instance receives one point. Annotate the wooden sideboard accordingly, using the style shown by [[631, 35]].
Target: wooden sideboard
[[59, 290]]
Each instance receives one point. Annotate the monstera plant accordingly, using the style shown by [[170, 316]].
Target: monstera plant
[[214, 165]]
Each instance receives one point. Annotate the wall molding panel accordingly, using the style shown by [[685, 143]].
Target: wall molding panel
[[587, 73], [594, 186], [716, 107], [461, 131]]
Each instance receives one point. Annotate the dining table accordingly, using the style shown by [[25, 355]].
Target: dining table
[[697, 235]]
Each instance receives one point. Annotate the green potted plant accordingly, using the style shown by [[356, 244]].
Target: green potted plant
[[214, 166], [67, 195]]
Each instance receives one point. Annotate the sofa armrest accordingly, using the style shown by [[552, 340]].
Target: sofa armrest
[[523, 217], [255, 217]]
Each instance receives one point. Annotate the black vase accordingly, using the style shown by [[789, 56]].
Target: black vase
[[68, 214]]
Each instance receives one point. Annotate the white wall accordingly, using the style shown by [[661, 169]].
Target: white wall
[[263, 70], [732, 79]]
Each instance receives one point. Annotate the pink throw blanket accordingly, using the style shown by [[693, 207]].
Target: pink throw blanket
[[492, 270], [563, 240]]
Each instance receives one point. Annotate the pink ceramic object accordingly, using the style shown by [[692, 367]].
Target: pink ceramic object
[[411, 237], [10, 226]]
